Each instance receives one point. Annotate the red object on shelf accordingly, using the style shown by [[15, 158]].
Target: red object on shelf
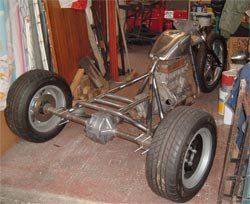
[[181, 14], [112, 40]]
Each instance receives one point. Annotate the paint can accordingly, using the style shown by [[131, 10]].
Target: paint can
[[228, 78], [227, 82]]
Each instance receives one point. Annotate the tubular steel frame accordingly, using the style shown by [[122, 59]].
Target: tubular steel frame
[[143, 139], [121, 111]]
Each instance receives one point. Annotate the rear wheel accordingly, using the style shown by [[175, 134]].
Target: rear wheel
[[208, 72], [181, 154], [26, 100]]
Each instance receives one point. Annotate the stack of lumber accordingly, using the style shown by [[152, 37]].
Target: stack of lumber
[[88, 81]]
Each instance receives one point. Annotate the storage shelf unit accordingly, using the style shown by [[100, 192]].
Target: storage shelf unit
[[201, 2]]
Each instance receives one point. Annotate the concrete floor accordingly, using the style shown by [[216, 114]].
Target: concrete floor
[[72, 169]]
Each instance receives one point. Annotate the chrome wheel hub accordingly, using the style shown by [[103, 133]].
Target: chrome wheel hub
[[38, 108], [39, 118], [197, 158]]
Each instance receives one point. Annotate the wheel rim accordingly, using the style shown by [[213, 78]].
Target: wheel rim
[[212, 72], [197, 158], [39, 120]]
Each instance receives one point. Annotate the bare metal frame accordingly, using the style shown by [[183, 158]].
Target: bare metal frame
[[120, 111], [143, 139]]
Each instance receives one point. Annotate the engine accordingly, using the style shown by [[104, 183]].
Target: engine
[[175, 82]]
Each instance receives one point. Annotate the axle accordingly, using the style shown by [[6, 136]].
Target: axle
[[142, 140]]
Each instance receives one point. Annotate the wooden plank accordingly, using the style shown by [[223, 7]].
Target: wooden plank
[[70, 39], [93, 73], [76, 81]]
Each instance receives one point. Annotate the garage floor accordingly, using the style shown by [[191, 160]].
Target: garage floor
[[72, 169]]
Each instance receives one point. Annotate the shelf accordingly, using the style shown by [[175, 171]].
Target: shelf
[[192, 13]]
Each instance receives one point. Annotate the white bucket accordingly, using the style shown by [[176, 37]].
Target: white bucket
[[228, 115]]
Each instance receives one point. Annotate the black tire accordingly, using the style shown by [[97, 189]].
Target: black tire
[[201, 59], [165, 160], [21, 94]]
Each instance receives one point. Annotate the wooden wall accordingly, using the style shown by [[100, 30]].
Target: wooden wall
[[69, 38]]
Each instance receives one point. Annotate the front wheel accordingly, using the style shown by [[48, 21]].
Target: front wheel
[[25, 101], [181, 154], [208, 72]]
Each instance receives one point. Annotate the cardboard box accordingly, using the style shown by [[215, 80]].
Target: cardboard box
[[7, 138]]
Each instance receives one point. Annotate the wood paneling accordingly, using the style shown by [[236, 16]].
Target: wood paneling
[[69, 35]]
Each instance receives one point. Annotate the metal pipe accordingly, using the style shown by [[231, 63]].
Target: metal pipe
[[133, 104], [66, 115], [131, 138], [141, 89], [115, 89], [128, 83], [115, 113], [125, 136], [109, 103], [119, 98], [150, 98], [158, 99], [150, 109], [154, 63]]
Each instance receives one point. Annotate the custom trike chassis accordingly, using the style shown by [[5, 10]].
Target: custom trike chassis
[[180, 141]]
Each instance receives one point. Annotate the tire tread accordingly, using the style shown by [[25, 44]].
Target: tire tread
[[18, 93], [161, 165]]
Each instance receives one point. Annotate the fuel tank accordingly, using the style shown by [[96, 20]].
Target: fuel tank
[[171, 44]]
